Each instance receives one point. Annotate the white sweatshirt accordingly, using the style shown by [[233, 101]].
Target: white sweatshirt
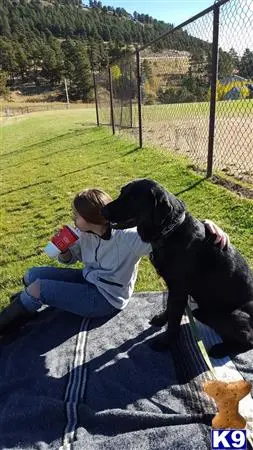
[[111, 264]]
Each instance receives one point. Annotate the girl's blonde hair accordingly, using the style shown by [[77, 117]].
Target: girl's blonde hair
[[89, 203]]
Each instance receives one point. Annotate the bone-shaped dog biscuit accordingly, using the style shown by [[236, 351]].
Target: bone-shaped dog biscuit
[[227, 397]]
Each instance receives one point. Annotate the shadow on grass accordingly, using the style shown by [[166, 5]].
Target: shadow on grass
[[54, 153], [70, 133], [88, 125], [19, 259], [99, 164], [191, 187], [68, 173]]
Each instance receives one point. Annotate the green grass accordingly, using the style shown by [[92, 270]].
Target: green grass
[[48, 157], [190, 110], [29, 104], [183, 111]]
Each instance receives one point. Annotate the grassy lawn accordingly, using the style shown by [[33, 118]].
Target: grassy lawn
[[27, 102], [48, 157], [154, 114], [189, 110]]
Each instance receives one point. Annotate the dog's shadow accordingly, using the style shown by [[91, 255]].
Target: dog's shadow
[[124, 377]]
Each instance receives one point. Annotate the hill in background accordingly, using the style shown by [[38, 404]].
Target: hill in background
[[42, 42]]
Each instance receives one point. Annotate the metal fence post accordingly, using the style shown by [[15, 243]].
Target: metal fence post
[[139, 94], [66, 90], [214, 78], [96, 99], [95, 89], [111, 99], [131, 100]]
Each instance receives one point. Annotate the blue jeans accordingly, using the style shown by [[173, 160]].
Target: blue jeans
[[66, 289]]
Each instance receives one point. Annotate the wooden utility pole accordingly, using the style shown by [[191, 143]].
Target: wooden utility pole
[[66, 90]]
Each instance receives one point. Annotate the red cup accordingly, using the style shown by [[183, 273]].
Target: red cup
[[61, 241]]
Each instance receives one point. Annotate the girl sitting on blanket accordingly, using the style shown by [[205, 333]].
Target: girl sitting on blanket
[[104, 286]]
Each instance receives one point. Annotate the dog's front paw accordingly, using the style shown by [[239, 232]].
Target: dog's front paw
[[163, 342], [159, 320], [160, 343]]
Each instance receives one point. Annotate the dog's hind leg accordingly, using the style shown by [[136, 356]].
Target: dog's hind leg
[[248, 308], [200, 315], [236, 330], [227, 348]]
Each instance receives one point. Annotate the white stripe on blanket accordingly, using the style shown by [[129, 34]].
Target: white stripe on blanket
[[75, 387]]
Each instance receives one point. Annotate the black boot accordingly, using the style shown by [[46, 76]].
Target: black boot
[[14, 316], [15, 296]]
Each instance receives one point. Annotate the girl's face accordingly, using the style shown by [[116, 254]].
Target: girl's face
[[80, 222]]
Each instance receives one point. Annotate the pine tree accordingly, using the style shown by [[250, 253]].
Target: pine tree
[[246, 64], [21, 61], [226, 64], [82, 76], [8, 61], [235, 58], [4, 23], [3, 82]]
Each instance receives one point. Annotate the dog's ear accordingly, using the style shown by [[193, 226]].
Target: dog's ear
[[156, 210], [166, 207], [161, 207]]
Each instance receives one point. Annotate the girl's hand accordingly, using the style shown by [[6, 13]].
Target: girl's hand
[[221, 237], [65, 256]]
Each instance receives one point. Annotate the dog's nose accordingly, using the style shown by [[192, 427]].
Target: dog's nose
[[104, 212]]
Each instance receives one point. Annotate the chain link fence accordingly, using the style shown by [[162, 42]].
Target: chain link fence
[[175, 83], [124, 88], [190, 91], [102, 96], [116, 95], [233, 152]]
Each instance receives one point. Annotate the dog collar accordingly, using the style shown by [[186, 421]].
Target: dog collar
[[167, 231]]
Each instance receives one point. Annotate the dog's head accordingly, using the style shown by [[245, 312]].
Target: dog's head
[[147, 205]]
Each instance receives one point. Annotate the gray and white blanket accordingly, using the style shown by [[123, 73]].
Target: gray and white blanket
[[70, 383]]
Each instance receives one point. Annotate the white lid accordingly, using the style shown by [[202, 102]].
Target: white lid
[[51, 250]]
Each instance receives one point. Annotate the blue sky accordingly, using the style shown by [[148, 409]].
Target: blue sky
[[236, 18], [172, 11]]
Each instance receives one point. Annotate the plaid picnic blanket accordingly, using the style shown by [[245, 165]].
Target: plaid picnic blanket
[[73, 383]]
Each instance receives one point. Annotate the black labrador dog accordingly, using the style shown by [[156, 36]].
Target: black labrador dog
[[184, 254]]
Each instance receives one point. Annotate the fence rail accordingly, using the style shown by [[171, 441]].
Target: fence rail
[[190, 90], [13, 110]]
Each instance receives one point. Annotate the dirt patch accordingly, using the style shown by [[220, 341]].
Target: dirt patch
[[189, 137], [233, 152], [242, 191], [235, 187]]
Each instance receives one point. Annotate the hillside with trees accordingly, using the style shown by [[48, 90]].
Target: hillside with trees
[[42, 42]]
